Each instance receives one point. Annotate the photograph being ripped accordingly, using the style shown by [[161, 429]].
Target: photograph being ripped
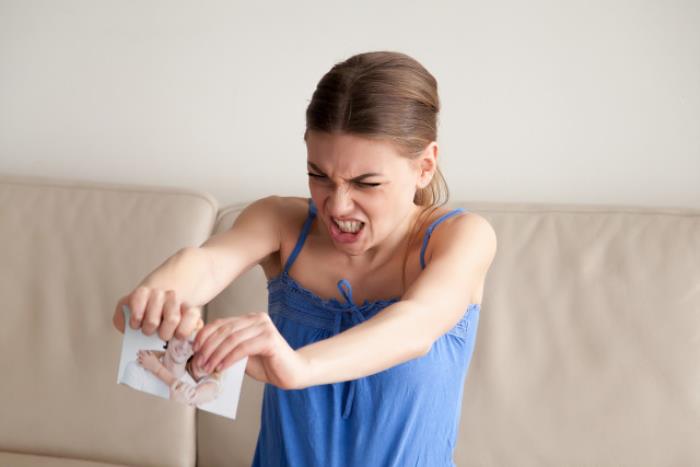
[[166, 369]]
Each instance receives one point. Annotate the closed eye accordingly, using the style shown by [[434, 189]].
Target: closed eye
[[362, 184]]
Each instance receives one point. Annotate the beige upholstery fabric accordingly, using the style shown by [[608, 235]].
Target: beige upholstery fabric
[[586, 355], [69, 251], [589, 340], [11, 459]]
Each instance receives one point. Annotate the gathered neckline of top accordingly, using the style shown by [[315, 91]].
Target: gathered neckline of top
[[284, 276]]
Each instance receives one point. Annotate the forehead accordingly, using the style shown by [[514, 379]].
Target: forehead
[[351, 153]]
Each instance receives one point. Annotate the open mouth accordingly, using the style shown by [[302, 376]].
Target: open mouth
[[345, 237], [349, 227]]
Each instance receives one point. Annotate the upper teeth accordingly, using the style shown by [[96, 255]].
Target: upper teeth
[[348, 226]]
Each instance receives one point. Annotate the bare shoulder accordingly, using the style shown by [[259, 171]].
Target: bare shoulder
[[467, 230], [283, 210], [293, 211], [475, 229], [294, 202], [290, 213]]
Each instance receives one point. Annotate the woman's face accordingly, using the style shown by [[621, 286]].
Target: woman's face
[[355, 178], [180, 349]]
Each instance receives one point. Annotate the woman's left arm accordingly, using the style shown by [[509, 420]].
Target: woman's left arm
[[462, 253]]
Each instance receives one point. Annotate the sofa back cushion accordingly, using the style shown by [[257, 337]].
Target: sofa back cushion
[[69, 251]]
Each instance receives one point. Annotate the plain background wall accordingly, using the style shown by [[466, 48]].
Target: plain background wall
[[552, 101]]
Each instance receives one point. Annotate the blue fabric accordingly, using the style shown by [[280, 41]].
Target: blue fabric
[[407, 415]]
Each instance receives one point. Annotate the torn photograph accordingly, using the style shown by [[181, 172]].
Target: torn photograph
[[167, 370]]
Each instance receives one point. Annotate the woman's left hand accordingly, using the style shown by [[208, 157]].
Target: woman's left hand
[[223, 342]]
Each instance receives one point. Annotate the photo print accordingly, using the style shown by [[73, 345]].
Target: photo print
[[167, 370]]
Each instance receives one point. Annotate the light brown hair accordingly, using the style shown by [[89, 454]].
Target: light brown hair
[[388, 96]]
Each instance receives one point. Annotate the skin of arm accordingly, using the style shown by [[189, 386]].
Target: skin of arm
[[463, 251], [198, 274]]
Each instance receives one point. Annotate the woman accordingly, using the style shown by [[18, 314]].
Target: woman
[[374, 287]]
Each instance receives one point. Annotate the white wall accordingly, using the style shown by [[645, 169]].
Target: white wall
[[553, 101]]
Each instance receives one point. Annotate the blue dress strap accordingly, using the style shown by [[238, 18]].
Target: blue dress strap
[[430, 231], [302, 237]]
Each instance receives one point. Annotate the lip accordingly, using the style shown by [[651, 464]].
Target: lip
[[346, 219]]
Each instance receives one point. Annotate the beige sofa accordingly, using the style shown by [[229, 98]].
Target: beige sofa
[[587, 353]]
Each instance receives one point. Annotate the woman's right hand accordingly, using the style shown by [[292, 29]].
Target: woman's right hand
[[159, 310]]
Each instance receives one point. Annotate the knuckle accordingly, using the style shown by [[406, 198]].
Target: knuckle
[[150, 323], [265, 317], [192, 313], [171, 319], [222, 331]]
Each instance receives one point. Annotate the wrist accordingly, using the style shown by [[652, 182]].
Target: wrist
[[309, 367]]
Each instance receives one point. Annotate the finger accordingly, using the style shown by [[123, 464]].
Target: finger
[[247, 348], [190, 317], [230, 342], [214, 339], [137, 302], [205, 332], [154, 310], [171, 316], [119, 317]]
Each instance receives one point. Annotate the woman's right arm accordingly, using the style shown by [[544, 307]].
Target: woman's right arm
[[170, 299]]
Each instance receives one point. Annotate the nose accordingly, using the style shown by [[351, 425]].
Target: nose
[[340, 203]]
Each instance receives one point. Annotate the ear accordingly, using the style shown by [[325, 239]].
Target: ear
[[427, 165]]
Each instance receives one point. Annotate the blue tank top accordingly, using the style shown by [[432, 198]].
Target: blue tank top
[[406, 415]]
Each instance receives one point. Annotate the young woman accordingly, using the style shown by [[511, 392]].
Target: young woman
[[374, 286]]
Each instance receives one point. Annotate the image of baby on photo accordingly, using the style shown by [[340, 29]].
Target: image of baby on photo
[[167, 370]]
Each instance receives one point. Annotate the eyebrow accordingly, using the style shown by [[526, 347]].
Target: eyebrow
[[356, 179]]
